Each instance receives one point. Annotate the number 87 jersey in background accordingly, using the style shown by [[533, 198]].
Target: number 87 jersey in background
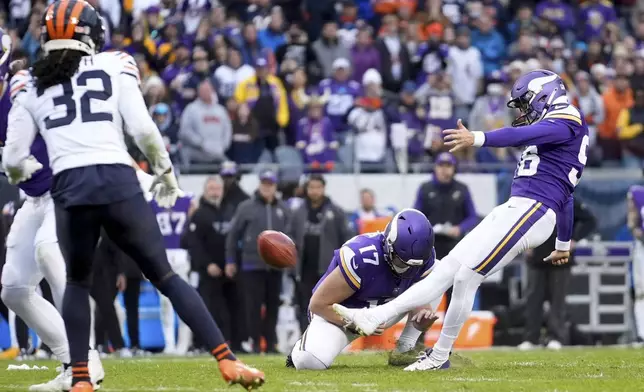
[[172, 224], [82, 119]]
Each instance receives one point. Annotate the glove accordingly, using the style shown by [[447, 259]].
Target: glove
[[28, 167], [165, 190], [145, 181]]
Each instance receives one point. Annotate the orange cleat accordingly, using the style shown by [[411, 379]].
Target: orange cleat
[[83, 386], [10, 353], [236, 372]]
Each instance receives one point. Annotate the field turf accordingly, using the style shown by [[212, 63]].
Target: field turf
[[587, 370]]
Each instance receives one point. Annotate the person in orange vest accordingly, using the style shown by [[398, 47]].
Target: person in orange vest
[[617, 97]]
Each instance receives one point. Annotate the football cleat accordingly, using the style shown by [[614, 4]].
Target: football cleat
[[289, 362], [427, 362], [63, 381], [236, 372], [358, 320], [397, 358], [10, 353]]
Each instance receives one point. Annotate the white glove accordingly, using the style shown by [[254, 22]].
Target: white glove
[[145, 181], [165, 190], [28, 167]]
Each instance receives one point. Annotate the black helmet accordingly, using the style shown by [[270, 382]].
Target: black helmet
[[72, 24]]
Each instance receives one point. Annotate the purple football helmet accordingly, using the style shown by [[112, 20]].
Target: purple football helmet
[[5, 58], [534, 94], [409, 240]]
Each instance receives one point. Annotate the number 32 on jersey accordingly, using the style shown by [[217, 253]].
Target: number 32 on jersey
[[530, 161]]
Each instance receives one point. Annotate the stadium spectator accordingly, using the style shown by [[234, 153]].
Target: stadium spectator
[[339, 93], [265, 96], [205, 130], [364, 54], [594, 16], [394, 59], [209, 227], [490, 43], [558, 12], [630, 124], [524, 21], [233, 193], [551, 282], [348, 23], [193, 12], [316, 137], [296, 48], [616, 98], [200, 72], [466, 67], [229, 75], [273, 35], [246, 145], [436, 98], [163, 118], [407, 112], [319, 227], [523, 49], [328, 48], [263, 211], [447, 204], [591, 104], [367, 210], [31, 40], [297, 100], [250, 48], [371, 126]]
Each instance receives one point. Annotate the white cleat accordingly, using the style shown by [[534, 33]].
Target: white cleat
[[427, 362], [554, 345], [357, 319], [527, 346], [95, 367], [62, 382]]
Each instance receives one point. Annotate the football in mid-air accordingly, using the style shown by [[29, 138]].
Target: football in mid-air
[[277, 249]]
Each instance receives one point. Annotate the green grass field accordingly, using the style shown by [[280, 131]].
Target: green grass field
[[587, 370]]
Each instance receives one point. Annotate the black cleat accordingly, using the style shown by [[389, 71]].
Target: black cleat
[[289, 362]]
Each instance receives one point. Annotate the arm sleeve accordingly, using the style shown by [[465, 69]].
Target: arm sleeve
[[471, 217], [584, 221], [565, 219], [544, 132], [21, 132], [140, 125], [236, 231]]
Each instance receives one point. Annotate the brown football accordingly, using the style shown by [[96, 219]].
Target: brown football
[[277, 249]]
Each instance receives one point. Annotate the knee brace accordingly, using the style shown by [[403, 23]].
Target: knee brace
[[304, 360]]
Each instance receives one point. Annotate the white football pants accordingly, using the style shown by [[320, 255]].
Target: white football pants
[[180, 263]]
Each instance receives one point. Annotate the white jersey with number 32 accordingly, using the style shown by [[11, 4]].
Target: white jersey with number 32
[[82, 120]]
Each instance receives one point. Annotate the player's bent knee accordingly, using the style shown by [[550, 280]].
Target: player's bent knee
[[304, 360], [465, 275], [14, 296]]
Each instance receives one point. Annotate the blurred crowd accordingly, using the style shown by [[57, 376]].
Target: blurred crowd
[[325, 85]]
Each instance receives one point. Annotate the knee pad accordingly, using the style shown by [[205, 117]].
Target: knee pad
[[304, 360], [465, 275], [16, 296]]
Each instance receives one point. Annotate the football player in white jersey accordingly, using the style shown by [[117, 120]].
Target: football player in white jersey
[[78, 101], [32, 247]]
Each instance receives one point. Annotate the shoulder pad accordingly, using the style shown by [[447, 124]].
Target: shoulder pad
[[127, 65], [20, 83], [353, 84], [568, 113]]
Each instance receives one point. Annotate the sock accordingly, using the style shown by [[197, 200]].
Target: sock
[[639, 314], [80, 372], [167, 322], [466, 283], [421, 293], [408, 338], [191, 309], [40, 315], [76, 311]]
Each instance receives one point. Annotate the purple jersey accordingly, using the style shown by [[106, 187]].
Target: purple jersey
[[440, 111], [552, 162], [361, 261], [636, 193], [340, 97], [172, 221], [40, 182]]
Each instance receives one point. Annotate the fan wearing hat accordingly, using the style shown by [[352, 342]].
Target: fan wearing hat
[[163, 118], [447, 203], [340, 93], [262, 284], [266, 98], [316, 137], [587, 98], [329, 48]]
